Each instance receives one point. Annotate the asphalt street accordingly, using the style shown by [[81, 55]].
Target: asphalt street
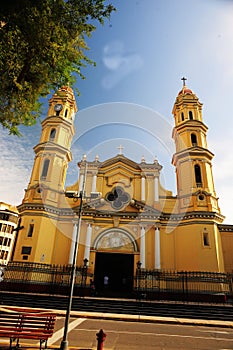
[[124, 335], [157, 330]]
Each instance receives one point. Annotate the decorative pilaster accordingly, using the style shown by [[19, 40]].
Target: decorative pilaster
[[156, 194], [143, 196], [143, 247], [157, 248], [88, 242]]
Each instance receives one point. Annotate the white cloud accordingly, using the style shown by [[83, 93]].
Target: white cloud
[[16, 158], [119, 62]]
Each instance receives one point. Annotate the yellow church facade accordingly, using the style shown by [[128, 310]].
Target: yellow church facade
[[118, 212]]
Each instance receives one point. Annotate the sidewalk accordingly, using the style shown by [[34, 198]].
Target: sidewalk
[[127, 317]]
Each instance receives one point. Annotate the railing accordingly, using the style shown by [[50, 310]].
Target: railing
[[152, 284], [155, 283], [50, 278]]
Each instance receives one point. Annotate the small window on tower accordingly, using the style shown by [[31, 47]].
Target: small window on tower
[[190, 115], [26, 250], [45, 169], [52, 134], [206, 240], [30, 230], [197, 170], [66, 113], [182, 116], [194, 139]]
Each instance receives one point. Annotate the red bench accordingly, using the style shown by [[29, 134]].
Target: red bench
[[16, 326]]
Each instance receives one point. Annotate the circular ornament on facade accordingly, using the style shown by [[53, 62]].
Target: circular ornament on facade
[[58, 107], [118, 198], [201, 197]]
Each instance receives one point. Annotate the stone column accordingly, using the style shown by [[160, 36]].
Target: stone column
[[81, 179], [93, 188], [88, 242], [156, 181], [143, 180], [143, 247], [71, 256], [157, 248]]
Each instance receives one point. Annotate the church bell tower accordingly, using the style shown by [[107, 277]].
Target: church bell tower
[[40, 208], [53, 151], [192, 160]]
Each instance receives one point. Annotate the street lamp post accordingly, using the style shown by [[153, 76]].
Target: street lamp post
[[81, 195], [64, 342]]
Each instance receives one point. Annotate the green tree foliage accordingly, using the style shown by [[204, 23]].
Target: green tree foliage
[[42, 47]]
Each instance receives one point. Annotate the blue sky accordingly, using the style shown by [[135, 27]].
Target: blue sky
[[141, 56]]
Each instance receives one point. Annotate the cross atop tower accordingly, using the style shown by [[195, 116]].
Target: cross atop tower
[[120, 149], [183, 80]]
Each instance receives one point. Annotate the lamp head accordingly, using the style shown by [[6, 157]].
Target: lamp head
[[71, 194]]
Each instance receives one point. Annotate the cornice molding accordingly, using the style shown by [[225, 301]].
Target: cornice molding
[[225, 228]]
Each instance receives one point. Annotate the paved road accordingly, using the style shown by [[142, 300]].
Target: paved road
[[147, 336], [131, 336], [165, 330]]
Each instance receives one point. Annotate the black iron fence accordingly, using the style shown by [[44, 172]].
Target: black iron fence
[[42, 277], [152, 284], [149, 284]]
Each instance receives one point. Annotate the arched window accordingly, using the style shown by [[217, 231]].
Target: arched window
[[194, 140], [197, 170], [52, 134], [182, 116], [66, 113], [190, 115], [45, 169]]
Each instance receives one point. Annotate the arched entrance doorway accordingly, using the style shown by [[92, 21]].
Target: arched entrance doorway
[[115, 249], [119, 270]]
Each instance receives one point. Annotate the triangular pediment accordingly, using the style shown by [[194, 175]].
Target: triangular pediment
[[118, 160], [119, 170]]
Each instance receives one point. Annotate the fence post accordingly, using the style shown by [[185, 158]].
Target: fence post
[[230, 282], [100, 339]]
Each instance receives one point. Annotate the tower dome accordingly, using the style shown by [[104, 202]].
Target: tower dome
[[185, 91]]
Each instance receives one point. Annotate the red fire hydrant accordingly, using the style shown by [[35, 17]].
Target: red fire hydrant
[[100, 339]]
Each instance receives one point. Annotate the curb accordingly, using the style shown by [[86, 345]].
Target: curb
[[127, 317]]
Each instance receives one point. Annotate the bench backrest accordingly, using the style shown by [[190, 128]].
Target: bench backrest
[[37, 323], [9, 321]]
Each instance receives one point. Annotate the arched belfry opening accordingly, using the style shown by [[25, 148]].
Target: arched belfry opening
[[198, 178], [115, 250], [193, 139]]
